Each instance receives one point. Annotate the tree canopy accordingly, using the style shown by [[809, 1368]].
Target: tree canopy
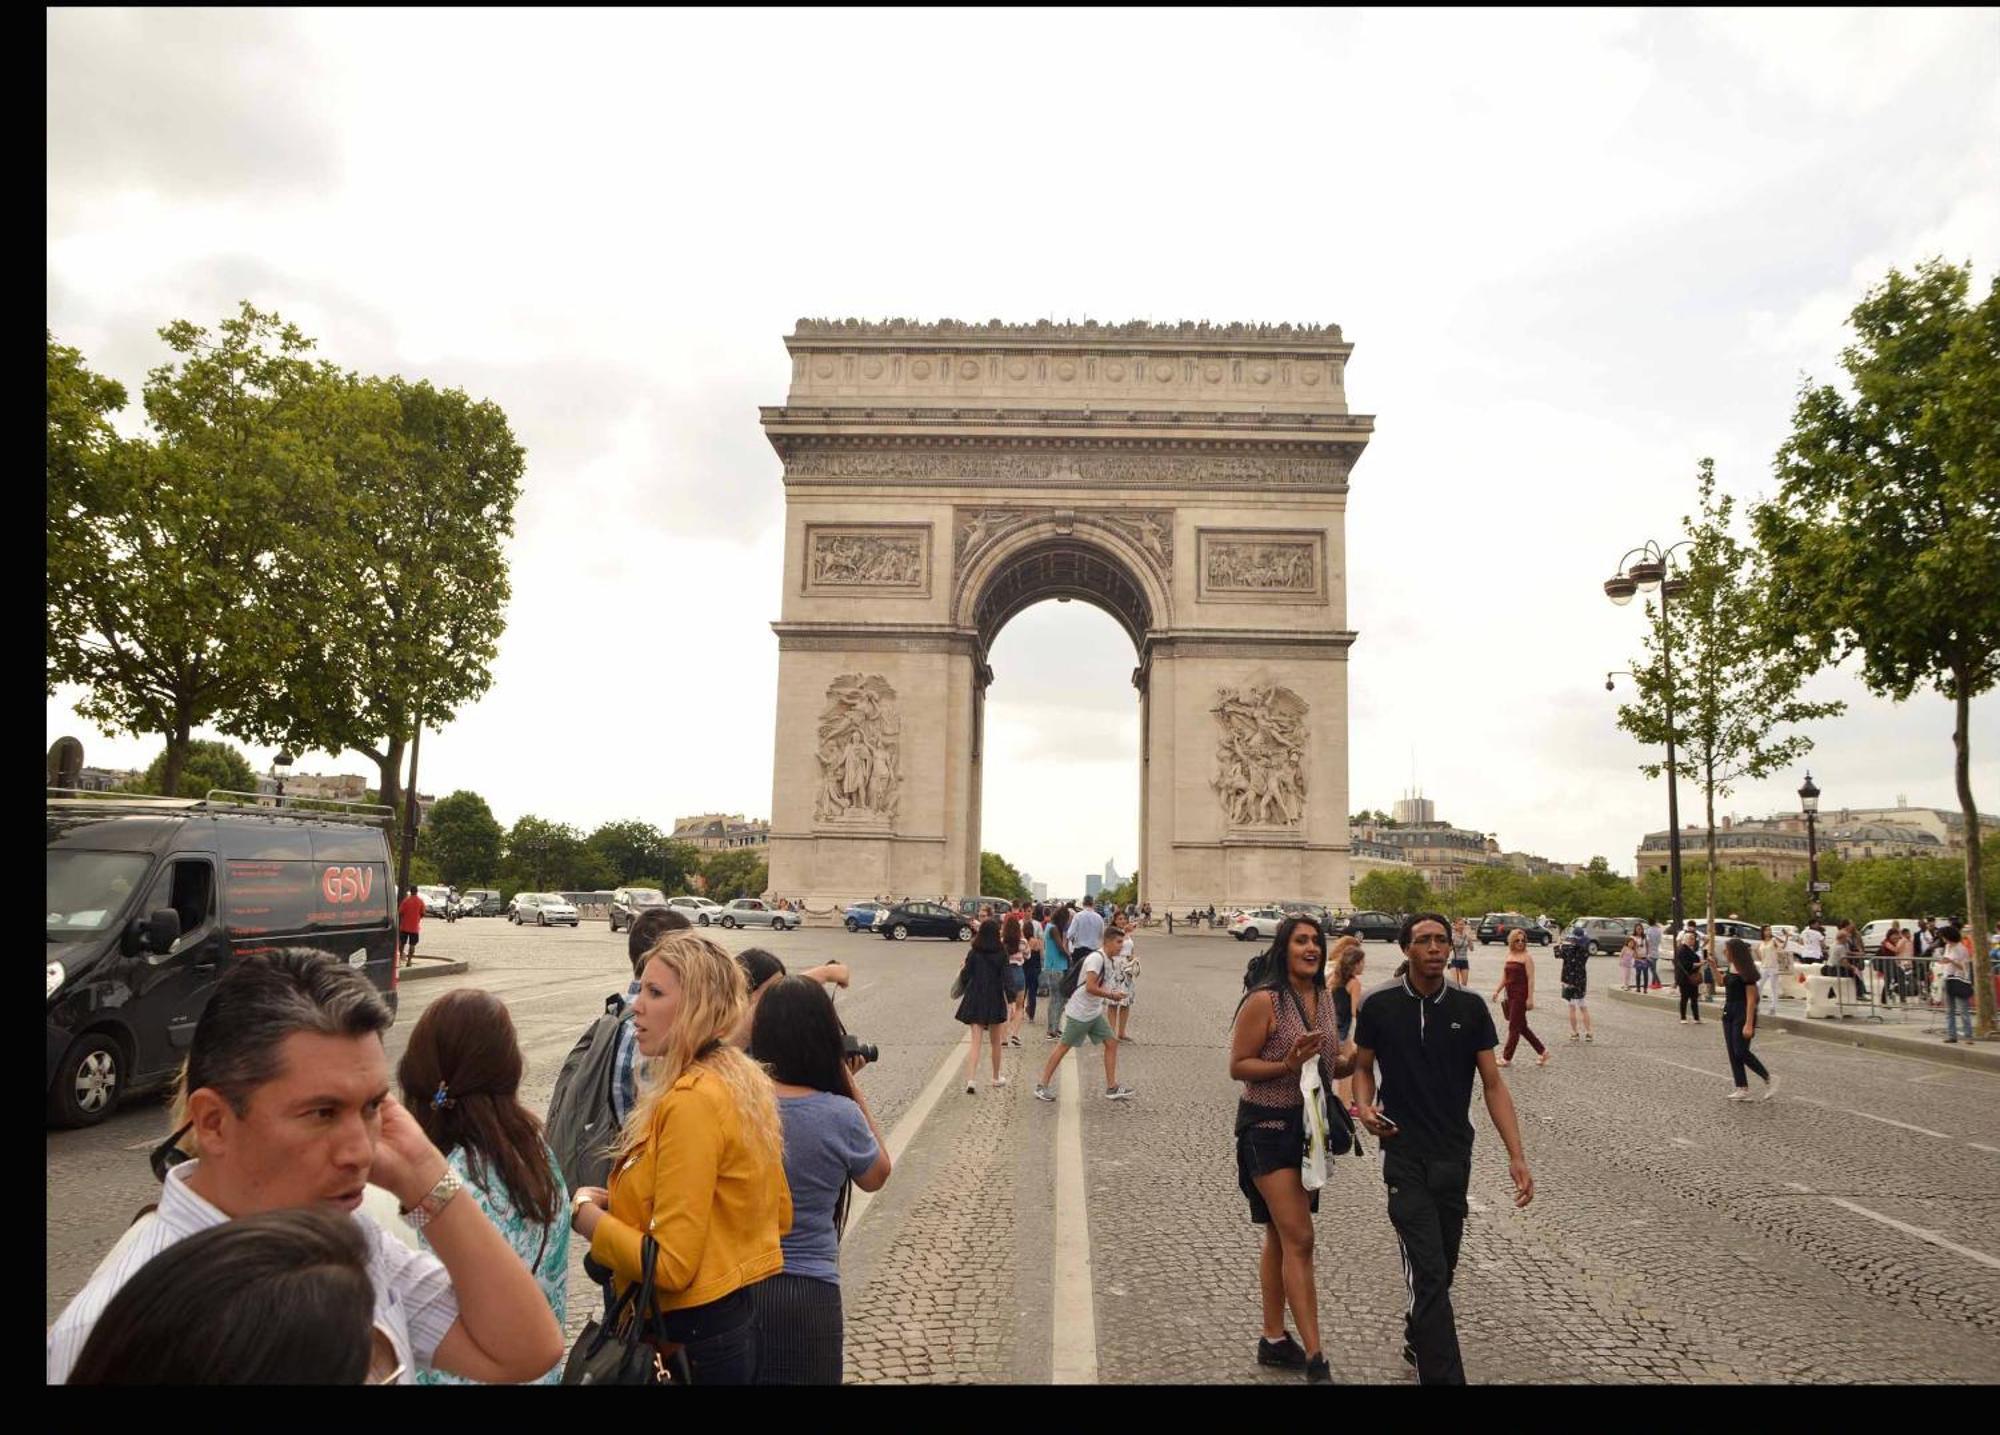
[[462, 840], [1000, 878], [206, 766]]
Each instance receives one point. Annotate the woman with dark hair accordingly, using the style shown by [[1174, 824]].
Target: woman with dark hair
[[832, 1144], [1739, 1020], [1517, 985], [760, 969], [278, 1298], [1055, 963], [983, 1008], [1283, 1023], [461, 1078], [1348, 958]]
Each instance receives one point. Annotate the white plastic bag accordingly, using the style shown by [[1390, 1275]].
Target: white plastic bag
[[1312, 1167]]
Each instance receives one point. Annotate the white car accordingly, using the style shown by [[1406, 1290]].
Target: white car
[[1875, 931], [1259, 924], [435, 899], [698, 910], [749, 912], [546, 908]]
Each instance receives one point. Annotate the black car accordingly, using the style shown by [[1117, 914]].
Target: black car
[[629, 902], [925, 919], [482, 902], [152, 900], [1370, 926], [1495, 926]]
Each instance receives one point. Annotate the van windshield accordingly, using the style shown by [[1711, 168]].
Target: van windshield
[[88, 890]]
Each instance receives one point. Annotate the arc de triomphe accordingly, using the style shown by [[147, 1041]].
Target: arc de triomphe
[[1190, 480]]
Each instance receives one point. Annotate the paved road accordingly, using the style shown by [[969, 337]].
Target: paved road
[[1844, 1232]]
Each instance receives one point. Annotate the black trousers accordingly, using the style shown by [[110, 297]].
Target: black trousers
[[1690, 1000], [1738, 1047], [1032, 970], [1427, 1208]]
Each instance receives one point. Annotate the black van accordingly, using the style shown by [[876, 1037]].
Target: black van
[[150, 901]]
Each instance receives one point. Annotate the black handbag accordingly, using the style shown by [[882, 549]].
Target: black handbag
[[620, 1349], [1339, 1126]]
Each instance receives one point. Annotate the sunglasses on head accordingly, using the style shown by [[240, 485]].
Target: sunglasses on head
[[168, 1153]]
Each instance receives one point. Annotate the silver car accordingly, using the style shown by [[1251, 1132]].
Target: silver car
[[698, 910], [544, 909], [749, 912]]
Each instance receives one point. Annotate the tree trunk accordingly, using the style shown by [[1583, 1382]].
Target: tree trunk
[[1975, 885], [1708, 797], [177, 753], [389, 777]]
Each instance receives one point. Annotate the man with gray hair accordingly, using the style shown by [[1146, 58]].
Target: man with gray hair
[[286, 1100]]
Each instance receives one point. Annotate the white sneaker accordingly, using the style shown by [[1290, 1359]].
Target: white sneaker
[[998, 1081], [970, 1089], [1118, 1093], [1770, 1089], [1741, 1093], [1044, 1093]]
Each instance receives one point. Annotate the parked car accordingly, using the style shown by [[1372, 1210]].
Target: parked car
[[1370, 926], [435, 900], [924, 919], [1259, 924], [629, 902], [1875, 931], [1495, 926], [862, 914], [1606, 934], [481, 902], [152, 901], [749, 912], [969, 906], [544, 909], [1727, 927], [698, 910]]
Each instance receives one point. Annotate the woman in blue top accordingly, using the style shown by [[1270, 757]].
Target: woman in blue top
[[831, 1143], [461, 1079], [1055, 962]]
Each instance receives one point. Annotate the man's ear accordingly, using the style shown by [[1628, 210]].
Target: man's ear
[[212, 1119]]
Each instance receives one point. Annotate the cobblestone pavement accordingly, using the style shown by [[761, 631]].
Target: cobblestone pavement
[[1674, 1237]]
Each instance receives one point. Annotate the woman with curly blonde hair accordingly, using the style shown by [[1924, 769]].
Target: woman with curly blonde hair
[[713, 1196]]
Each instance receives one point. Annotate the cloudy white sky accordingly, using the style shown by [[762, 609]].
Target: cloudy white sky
[[1575, 251]]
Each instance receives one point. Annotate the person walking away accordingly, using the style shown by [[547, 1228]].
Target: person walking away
[[1055, 963], [1016, 974], [1655, 938], [1094, 985], [1954, 963], [983, 1008], [1128, 981], [1347, 958], [1739, 1020], [409, 917], [713, 1196], [1687, 968], [460, 1077], [1031, 970], [286, 1100], [1814, 937], [1283, 1024], [1770, 954], [1517, 985], [1086, 930], [1423, 1041], [1576, 982], [832, 1146]]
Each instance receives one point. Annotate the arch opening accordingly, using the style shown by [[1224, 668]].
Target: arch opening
[[1062, 567]]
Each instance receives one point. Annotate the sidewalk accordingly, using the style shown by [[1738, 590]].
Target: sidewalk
[[432, 967], [1922, 1038]]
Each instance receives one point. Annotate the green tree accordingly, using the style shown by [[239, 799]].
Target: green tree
[[462, 839], [1884, 536], [736, 872], [632, 849], [999, 878], [1384, 890], [1734, 686], [680, 865], [207, 765], [167, 596], [407, 589], [1486, 889], [546, 856], [1123, 895]]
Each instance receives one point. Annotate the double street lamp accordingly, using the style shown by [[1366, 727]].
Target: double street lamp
[[1809, 804], [278, 765], [1654, 569]]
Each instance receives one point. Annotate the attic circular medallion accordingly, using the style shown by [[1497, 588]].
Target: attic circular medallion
[[1213, 373], [968, 368], [1261, 374], [1309, 374], [1065, 371], [1164, 373], [1018, 369], [1114, 372], [872, 369], [824, 368], [921, 369]]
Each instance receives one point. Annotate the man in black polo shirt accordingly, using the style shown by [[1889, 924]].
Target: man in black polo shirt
[[1430, 1036]]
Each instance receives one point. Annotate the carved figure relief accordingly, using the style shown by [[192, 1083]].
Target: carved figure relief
[[1258, 566], [866, 560], [976, 527], [1260, 761], [1151, 531], [860, 750]]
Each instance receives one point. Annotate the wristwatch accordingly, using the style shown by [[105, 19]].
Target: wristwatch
[[578, 1202], [426, 1210]]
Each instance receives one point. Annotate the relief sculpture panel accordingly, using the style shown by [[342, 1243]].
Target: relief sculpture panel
[[1285, 567], [893, 560], [1260, 761], [860, 751]]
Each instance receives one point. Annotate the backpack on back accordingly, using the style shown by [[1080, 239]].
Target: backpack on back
[[1072, 977], [581, 1124]]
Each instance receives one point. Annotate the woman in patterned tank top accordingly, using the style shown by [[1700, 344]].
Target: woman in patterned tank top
[[1284, 1022]]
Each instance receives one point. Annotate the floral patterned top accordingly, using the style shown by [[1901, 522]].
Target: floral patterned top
[[542, 1249]]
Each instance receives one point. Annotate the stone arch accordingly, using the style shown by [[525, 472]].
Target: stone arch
[[1061, 557]]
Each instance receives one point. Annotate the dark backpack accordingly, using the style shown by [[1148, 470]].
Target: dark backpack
[[1072, 976], [581, 1126]]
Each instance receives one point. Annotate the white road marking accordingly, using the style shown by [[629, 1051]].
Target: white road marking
[[1073, 1328], [1921, 1130], [1935, 1075], [1977, 1147], [1920, 1233], [1680, 1141], [906, 1128], [1795, 1186], [1476, 1206], [1697, 1070]]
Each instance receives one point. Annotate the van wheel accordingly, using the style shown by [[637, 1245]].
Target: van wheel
[[87, 1085]]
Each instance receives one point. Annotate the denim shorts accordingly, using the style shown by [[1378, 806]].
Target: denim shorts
[[1017, 979]]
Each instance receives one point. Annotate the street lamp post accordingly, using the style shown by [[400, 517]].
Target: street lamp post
[[278, 765], [1652, 568], [1809, 804]]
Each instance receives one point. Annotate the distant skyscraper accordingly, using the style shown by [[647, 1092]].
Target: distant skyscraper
[[1111, 877], [1040, 891], [1093, 885]]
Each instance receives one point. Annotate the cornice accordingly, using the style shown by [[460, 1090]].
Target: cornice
[[833, 419], [954, 333]]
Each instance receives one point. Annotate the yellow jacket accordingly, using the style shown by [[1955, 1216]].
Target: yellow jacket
[[716, 1211]]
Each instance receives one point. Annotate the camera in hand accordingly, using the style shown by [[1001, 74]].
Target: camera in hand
[[856, 1047]]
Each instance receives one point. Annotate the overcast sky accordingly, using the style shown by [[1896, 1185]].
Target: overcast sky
[[1575, 252]]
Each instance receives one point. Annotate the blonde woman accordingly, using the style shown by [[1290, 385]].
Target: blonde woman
[[1347, 959], [713, 1193], [1517, 984]]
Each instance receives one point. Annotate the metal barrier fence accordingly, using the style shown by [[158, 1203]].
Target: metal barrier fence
[[1877, 987]]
